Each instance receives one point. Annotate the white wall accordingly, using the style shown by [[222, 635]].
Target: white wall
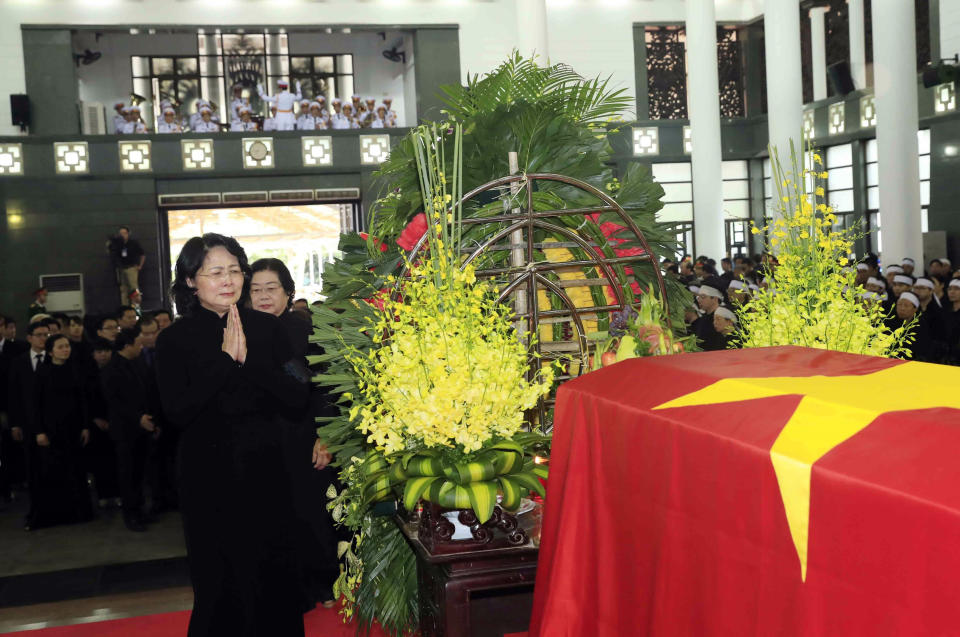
[[595, 36], [949, 28]]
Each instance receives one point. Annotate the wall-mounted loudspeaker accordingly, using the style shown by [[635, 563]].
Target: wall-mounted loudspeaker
[[840, 79], [20, 111]]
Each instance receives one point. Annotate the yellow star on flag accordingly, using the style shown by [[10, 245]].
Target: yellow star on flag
[[832, 410]]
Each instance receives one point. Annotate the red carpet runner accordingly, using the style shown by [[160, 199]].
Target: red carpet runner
[[320, 622]]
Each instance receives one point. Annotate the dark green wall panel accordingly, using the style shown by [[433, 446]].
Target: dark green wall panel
[[436, 61], [51, 81]]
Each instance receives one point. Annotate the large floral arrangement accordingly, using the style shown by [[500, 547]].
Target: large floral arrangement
[[442, 389], [812, 298]]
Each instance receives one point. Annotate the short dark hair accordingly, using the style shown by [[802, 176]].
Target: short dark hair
[[124, 228], [304, 300], [149, 319], [104, 319], [32, 327], [50, 321], [74, 320], [726, 260], [190, 261], [123, 309], [157, 313], [125, 338], [51, 341], [101, 344], [9, 319], [279, 267]]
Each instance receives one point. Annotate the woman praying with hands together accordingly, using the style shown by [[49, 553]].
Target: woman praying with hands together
[[225, 373]]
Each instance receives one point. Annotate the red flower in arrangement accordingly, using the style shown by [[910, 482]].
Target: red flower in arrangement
[[413, 232], [376, 242], [610, 230]]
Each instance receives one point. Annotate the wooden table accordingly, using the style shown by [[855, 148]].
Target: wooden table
[[479, 592]]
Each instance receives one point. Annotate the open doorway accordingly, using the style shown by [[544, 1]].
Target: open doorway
[[305, 237]]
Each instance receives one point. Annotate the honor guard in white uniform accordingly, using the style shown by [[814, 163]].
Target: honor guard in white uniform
[[337, 120], [358, 108], [365, 119], [195, 116], [206, 123], [133, 125], [169, 122], [379, 119], [321, 101], [284, 101], [236, 103], [164, 103], [244, 123], [350, 116], [391, 117], [316, 117], [270, 123], [119, 119], [305, 120]]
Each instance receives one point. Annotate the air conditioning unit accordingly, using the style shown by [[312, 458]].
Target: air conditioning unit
[[93, 118], [64, 293]]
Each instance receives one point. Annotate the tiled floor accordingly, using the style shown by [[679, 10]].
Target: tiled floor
[[104, 540]]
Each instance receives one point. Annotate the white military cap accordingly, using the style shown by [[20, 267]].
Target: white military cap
[[723, 312], [945, 261], [371, 99], [304, 101], [337, 100], [355, 97], [908, 261], [754, 287], [282, 83], [862, 266], [923, 283], [910, 296], [736, 284], [896, 269], [316, 105], [320, 98], [707, 290], [874, 281], [169, 109], [206, 109], [387, 99], [903, 278], [694, 288], [244, 109], [126, 109], [954, 283]]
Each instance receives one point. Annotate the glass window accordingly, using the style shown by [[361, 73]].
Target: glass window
[[677, 192], [671, 172], [873, 190]]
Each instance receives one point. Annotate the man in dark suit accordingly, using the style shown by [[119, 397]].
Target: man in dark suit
[[11, 465], [126, 391], [21, 401]]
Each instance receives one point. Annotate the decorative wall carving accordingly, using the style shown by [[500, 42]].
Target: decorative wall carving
[[730, 70], [666, 72]]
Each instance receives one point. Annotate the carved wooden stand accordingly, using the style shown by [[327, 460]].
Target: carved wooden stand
[[499, 564]]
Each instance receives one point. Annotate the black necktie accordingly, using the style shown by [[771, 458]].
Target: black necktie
[[39, 358]]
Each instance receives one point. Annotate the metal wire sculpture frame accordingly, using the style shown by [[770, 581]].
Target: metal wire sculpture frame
[[531, 273]]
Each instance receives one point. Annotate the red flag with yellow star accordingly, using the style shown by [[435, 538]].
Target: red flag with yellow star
[[779, 491]]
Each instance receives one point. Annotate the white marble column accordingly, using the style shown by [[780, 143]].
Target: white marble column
[[532, 29], [703, 103], [818, 50], [781, 25], [858, 43], [895, 88]]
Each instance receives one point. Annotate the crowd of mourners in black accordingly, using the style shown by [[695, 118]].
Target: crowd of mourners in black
[[904, 292], [96, 416]]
